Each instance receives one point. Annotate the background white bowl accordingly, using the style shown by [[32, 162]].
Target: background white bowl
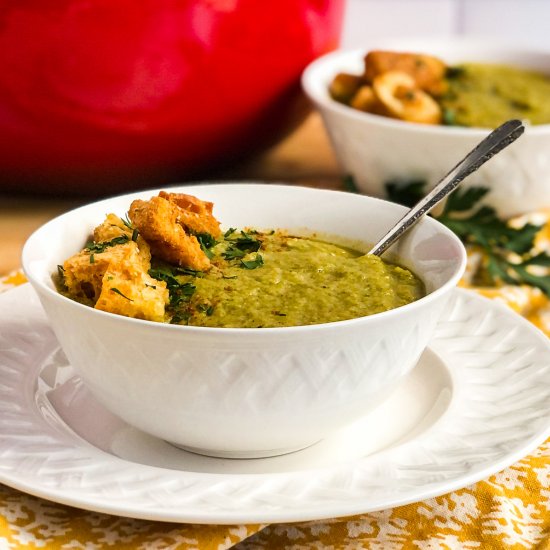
[[249, 392], [376, 150]]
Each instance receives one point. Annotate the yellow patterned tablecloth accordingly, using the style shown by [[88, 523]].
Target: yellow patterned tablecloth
[[510, 510]]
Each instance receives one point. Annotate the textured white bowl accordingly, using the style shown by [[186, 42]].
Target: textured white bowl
[[249, 392], [376, 150]]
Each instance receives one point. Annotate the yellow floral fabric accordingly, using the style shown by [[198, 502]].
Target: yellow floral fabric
[[508, 511]]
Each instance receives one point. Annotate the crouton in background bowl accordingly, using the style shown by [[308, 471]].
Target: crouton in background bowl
[[391, 132], [247, 392]]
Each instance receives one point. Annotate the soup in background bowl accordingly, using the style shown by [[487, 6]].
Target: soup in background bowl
[[250, 392], [377, 151]]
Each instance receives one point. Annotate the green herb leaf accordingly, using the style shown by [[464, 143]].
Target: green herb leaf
[[208, 309], [229, 232], [509, 250], [179, 293], [207, 242], [405, 193], [126, 221], [180, 318], [233, 254], [349, 184], [92, 258], [449, 117], [242, 245], [454, 72], [542, 259], [117, 291], [464, 200], [102, 246], [135, 234], [252, 264]]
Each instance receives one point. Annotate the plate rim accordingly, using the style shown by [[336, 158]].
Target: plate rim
[[133, 509]]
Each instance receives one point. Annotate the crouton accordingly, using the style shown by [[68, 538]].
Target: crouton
[[113, 227], [83, 272], [427, 71], [127, 289], [344, 86], [195, 215], [157, 222], [401, 98]]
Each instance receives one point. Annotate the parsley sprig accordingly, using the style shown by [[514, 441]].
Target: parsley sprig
[[100, 247], [258, 261], [241, 246], [509, 250], [179, 293], [207, 242]]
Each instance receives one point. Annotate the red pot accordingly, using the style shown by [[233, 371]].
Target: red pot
[[103, 95]]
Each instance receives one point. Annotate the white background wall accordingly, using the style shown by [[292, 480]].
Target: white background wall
[[516, 21]]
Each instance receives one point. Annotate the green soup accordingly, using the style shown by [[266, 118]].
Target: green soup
[[485, 96], [276, 280]]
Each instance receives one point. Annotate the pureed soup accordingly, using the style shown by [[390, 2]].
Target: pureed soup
[[238, 278], [421, 88]]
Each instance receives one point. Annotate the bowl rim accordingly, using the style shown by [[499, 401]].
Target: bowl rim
[[318, 94], [41, 287]]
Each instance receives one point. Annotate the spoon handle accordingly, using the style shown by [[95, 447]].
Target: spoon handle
[[496, 141]]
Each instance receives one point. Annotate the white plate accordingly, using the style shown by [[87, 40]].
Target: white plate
[[478, 401]]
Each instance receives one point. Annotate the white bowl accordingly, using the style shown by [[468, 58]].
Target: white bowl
[[249, 392], [376, 150]]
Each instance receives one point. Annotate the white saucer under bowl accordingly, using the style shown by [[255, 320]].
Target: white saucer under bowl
[[478, 400]]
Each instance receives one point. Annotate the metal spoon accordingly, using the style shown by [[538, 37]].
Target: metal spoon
[[490, 146]]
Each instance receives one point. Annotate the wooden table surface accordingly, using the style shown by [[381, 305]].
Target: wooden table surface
[[304, 157]]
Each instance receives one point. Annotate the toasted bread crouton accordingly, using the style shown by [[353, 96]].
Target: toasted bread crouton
[[113, 227], [344, 87], [128, 290], [83, 272], [401, 99], [427, 71], [365, 100], [157, 221], [195, 215]]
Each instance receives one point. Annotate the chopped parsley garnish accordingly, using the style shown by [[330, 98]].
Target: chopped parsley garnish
[[208, 309], [207, 242], [510, 251], [229, 232], [180, 317], [117, 291], [92, 258], [135, 234], [241, 246], [126, 221], [449, 117], [61, 275], [454, 72], [179, 293], [100, 247], [252, 264], [233, 254]]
